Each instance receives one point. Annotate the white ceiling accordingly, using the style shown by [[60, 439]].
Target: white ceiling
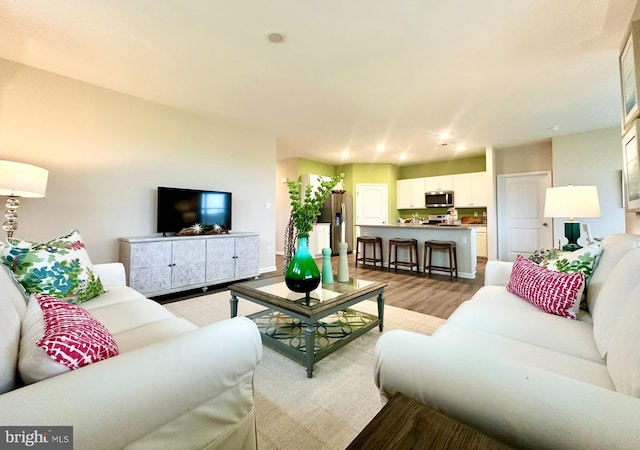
[[350, 74]]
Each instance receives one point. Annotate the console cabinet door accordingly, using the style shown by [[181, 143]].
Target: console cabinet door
[[247, 261], [188, 260], [150, 267], [220, 260]]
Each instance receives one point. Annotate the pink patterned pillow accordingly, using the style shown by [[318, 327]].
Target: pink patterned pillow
[[551, 291], [72, 336]]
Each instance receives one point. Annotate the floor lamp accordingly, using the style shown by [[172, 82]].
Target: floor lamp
[[19, 180], [572, 202]]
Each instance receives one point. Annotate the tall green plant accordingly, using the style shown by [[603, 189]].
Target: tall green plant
[[305, 207]]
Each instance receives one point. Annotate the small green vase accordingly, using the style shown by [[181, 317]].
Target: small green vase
[[303, 274]]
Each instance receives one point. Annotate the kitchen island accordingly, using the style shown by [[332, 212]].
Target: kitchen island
[[463, 235]]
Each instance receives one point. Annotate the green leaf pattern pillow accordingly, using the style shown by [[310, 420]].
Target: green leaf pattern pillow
[[60, 267], [583, 260]]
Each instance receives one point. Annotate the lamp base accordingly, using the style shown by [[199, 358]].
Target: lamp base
[[11, 224], [572, 233]]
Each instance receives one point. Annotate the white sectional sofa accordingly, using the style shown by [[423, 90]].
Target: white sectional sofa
[[527, 377], [173, 385]]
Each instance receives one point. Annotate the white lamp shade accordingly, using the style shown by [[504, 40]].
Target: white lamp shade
[[22, 180], [572, 202]]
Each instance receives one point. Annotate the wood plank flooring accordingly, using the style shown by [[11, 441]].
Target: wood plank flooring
[[435, 296]]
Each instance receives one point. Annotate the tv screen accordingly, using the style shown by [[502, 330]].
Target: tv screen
[[182, 208]]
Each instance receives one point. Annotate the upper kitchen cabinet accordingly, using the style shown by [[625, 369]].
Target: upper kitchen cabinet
[[470, 190], [410, 193], [440, 183]]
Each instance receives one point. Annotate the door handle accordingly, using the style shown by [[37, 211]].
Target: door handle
[[545, 224]]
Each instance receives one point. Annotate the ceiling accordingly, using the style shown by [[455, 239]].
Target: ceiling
[[349, 74]]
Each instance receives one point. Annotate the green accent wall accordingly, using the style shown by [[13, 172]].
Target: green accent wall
[[467, 165], [390, 173], [306, 166]]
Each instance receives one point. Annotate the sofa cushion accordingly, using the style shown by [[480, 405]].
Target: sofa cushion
[[623, 358], [13, 306], [614, 247], [498, 311], [615, 292], [60, 267], [551, 291], [57, 337], [115, 294], [124, 316], [151, 333], [529, 354]]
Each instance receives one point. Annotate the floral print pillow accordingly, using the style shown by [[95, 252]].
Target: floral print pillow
[[60, 267], [583, 260]]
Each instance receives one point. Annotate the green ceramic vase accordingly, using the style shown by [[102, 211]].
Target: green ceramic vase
[[303, 274]]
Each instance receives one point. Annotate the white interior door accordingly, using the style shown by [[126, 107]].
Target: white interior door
[[522, 227], [372, 204]]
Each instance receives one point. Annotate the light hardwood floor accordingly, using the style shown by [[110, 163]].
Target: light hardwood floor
[[435, 296]]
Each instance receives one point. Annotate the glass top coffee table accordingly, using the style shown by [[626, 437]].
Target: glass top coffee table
[[292, 323]]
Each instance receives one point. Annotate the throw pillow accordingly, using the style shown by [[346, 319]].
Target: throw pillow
[[60, 267], [551, 291], [583, 260], [58, 337]]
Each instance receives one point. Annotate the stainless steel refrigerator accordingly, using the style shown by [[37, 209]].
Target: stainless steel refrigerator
[[338, 208]]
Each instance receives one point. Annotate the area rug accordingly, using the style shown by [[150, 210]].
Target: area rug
[[326, 411]]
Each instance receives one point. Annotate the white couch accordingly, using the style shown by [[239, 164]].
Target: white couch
[[529, 378], [173, 385]]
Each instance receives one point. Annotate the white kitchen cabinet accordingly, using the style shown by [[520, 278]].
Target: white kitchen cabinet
[[162, 265], [410, 193], [439, 183], [319, 238], [481, 242], [470, 190]]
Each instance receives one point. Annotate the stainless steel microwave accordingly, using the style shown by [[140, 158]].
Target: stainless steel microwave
[[438, 199]]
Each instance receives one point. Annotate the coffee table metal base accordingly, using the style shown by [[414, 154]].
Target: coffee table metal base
[[292, 337]]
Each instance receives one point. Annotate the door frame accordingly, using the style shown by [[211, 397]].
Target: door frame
[[501, 207]]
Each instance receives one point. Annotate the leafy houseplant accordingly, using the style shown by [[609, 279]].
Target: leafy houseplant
[[302, 274]]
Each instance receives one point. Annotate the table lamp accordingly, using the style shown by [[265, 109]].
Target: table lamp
[[572, 202], [19, 180]]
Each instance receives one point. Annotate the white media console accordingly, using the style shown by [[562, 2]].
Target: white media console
[[164, 265]]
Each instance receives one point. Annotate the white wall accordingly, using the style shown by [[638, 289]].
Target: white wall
[[592, 158], [107, 152]]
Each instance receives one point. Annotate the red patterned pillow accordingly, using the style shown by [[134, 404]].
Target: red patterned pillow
[[551, 291], [72, 336]]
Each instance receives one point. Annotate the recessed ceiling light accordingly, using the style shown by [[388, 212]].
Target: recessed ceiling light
[[345, 154], [275, 37], [380, 147], [403, 156], [444, 135], [461, 147]]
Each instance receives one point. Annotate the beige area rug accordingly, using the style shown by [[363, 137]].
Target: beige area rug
[[326, 411]]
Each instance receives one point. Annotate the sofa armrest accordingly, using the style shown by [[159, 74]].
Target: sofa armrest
[[524, 406], [126, 398], [497, 273], [111, 274]]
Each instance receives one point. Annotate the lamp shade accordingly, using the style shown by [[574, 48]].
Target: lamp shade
[[572, 202], [22, 180]]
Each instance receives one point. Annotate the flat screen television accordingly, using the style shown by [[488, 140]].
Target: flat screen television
[[182, 208]]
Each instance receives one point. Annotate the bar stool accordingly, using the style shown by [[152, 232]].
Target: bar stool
[[450, 247], [411, 245], [376, 242]]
